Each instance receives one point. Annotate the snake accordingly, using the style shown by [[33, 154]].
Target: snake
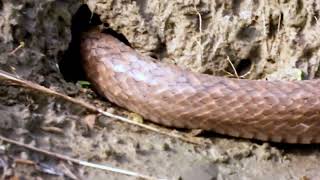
[[275, 110]]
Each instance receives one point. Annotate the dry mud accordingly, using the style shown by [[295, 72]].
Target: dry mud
[[262, 39]]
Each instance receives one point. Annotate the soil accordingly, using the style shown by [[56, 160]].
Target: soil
[[39, 42]]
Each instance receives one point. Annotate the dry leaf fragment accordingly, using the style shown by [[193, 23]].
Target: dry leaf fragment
[[90, 120], [135, 117]]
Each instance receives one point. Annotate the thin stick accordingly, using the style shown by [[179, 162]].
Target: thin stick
[[200, 20], [279, 24], [234, 69], [264, 27], [77, 161], [315, 17], [200, 31], [34, 86], [215, 48], [229, 74], [37, 87], [247, 73], [21, 45], [264, 20]]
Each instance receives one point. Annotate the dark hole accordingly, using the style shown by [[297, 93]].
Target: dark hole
[[274, 27], [272, 61], [119, 36], [247, 33], [244, 66], [161, 51], [28, 6], [1, 5], [154, 56], [70, 64], [307, 53], [208, 71]]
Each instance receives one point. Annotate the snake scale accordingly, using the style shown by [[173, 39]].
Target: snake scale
[[278, 111]]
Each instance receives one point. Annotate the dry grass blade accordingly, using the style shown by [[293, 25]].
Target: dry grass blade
[[233, 68], [28, 84], [77, 161], [315, 17]]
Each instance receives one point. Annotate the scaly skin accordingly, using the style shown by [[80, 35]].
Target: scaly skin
[[279, 111]]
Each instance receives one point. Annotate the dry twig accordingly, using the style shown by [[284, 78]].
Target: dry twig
[[233, 68], [28, 84], [315, 17], [21, 45], [247, 73], [77, 161], [199, 42]]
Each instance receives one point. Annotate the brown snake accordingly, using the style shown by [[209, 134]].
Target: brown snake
[[279, 111]]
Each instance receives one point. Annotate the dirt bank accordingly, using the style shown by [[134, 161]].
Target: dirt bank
[[262, 39]]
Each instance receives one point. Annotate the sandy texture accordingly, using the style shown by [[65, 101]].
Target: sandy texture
[[248, 32]]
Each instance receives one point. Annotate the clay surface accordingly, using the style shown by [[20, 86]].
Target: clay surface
[[262, 39]]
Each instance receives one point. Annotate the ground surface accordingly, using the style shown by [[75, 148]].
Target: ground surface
[[261, 39]]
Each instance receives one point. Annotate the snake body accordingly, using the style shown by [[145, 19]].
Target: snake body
[[279, 111]]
